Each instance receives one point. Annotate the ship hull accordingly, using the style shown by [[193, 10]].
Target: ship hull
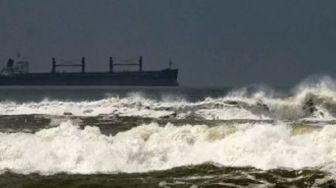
[[166, 77]]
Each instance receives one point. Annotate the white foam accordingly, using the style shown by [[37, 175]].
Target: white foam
[[211, 109], [110, 106], [229, 113], [236, 105], [68, 149]]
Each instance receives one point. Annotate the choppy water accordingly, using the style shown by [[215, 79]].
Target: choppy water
[[168, 137]]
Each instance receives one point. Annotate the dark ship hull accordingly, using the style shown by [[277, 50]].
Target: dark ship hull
[[167, 77]]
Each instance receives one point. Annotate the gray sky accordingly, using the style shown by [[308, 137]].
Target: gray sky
[[212, 42]]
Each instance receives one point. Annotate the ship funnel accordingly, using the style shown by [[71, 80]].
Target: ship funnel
[[10, 64]]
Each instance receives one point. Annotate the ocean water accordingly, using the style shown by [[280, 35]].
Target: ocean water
[[254, 136]]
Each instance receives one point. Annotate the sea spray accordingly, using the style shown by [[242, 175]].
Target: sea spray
[[308, 103]]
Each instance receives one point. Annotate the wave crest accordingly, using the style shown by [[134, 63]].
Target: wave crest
[[309, 101], [69, 149]]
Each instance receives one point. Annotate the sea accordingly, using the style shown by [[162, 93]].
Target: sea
[[253, 136]]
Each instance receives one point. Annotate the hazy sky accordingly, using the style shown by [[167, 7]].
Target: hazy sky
[[212, 42]]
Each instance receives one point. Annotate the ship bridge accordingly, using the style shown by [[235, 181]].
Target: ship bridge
[[12, 67]]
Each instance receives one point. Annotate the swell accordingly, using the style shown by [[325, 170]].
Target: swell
[[205, 175]]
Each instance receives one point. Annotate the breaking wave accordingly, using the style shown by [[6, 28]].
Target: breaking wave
[[69, 149], [309, 101]]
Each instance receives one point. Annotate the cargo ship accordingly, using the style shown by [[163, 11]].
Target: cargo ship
[[16, 73]]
